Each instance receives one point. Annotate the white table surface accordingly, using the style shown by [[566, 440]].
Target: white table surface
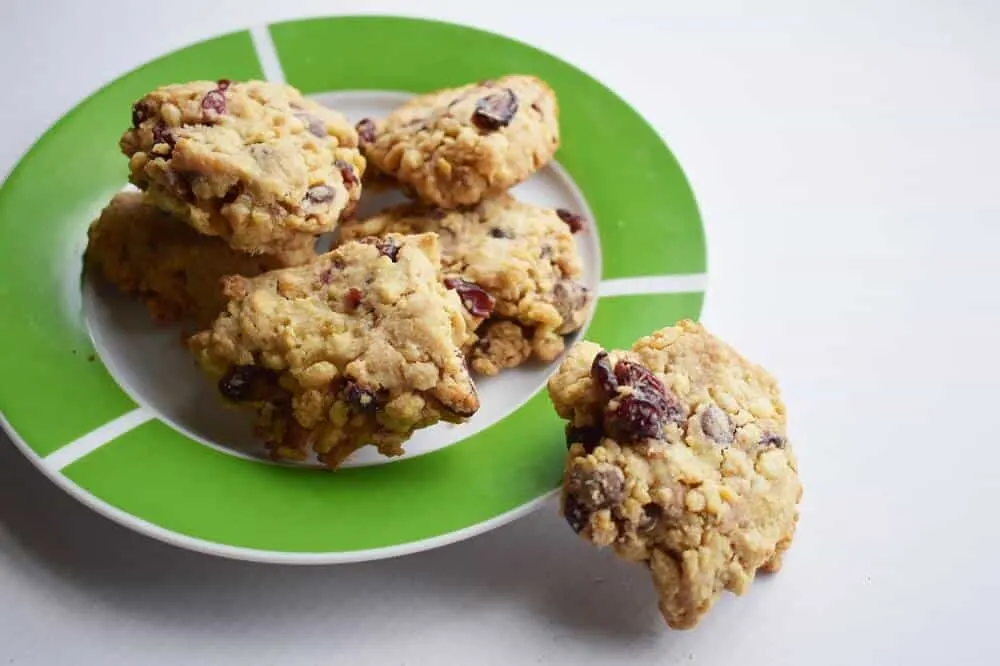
[[845, 160]]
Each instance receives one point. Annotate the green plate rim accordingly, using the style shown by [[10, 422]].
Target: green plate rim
[[654, 221]]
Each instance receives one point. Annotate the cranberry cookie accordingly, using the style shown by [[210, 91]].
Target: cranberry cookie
[[360, 347], [254, 163], [458, 146], [678, 458], [176, 271], [515, 267]]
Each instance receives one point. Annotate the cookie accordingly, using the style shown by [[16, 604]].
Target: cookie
[[176, 271], [362, 346], [254, 163], [458, 146], [514, 265], [679, 459]]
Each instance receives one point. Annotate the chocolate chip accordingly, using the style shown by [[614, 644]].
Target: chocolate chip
[[475, 299], [773, 439], [314, 124], [347, 173], [588, 436], [603, 374], [651, 514], [575, 222], [359, 398], [353, 298], [575, 514], [389, 248], [495, 110], [245, 383], [161, 134], [716, 425], [569, 298], [140, 112], [319, 194], [366, 130], [214, 102], [598, 488]]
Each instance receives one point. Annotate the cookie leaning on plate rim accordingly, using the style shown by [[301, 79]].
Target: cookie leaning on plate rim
[[141, 397]]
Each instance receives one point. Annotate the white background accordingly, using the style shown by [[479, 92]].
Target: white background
[[845, 159]]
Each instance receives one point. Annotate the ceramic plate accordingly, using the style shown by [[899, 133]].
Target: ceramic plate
[[111, 408]]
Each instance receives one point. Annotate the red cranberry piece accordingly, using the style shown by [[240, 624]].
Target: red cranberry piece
[[603, 374], [634, 374], [636, 418], [475, 299], [214, 102], [496, 110], [347, 173], [319, 194], [575, 222], [359, 398], [366, 130], [354, 297], [247, 383]]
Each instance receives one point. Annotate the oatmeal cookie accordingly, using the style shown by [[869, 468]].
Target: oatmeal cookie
[[254, 163], [510, 262], [176, 271], [458, 146], [360, 347], [678, 458]]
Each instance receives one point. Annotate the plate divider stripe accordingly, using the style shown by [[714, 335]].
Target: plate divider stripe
[[653, 284], [267, 54], [95, 439]]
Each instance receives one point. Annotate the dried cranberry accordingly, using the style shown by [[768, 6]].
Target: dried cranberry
[[575, 222], [772, 439], [140, 112], [636, 419], [347, 173], [214, 102], [320, 194], [642, 412], [475, 299], [366, 130], [353, 298], [223, 84], [497, 232], [639, 376], [247, 383], [602, 373], [496, 110], [361, 399], [315, 125], [588, 436]]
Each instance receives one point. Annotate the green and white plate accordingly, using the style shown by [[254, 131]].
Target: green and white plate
[[110, 408]]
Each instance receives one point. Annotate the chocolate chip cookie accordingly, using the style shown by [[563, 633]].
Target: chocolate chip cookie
[[679, 459], [362, 346], [458, 146], [176, 271], [254, 163], [515, 267]]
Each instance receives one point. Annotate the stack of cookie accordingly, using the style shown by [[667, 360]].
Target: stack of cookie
[[378, 337]]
